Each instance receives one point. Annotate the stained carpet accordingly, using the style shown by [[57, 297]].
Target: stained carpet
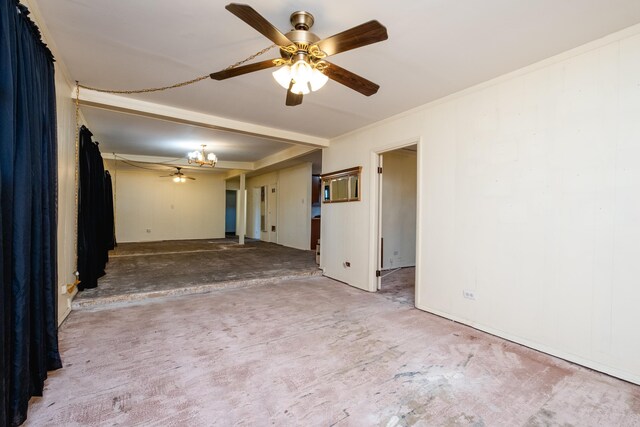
[[138, 271], [311, 352]]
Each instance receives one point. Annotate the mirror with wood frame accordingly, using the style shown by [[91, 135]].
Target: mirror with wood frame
[[341, 186]]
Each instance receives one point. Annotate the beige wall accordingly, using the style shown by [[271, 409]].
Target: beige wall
[[293, 205], [66, 193], [151, 208], [399, 209], [528, 195], [294, 210]]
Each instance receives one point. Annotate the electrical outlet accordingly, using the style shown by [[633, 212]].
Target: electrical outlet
[[469, 294], [63, 289]]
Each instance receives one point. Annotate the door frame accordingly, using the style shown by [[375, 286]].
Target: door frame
[[379, 241], [375, 228], [255, 213], [272, 212]]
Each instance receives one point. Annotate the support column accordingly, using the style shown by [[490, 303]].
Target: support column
[[242, 224]]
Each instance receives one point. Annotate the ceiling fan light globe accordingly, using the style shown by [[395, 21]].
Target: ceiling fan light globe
[[183, 179], [301, 72], [317, 80], [300, 89], [212, 157], [176, 179], [283, 76]]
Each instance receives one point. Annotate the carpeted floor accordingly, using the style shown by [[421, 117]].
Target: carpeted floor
[[311, 352], [138, 271]]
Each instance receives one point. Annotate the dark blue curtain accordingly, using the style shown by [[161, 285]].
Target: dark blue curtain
[[95, 213], [28, 175]]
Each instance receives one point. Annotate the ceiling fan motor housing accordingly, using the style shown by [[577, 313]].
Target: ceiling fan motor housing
[[301, 20]]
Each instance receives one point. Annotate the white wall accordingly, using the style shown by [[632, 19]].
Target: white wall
[[294, 207], [399, 209], [66, 192], [529, 195], [293, 204], [171, 211]]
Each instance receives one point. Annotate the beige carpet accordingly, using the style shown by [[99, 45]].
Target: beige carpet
[[139, 271], [311, 352]]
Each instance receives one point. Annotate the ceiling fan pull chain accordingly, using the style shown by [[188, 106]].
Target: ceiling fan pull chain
[[255, 55], [173, 86], [153, 89]]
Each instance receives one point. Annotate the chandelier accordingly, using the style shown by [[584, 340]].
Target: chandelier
[[198, 157]]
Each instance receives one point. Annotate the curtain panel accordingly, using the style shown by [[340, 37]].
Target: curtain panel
[[95, 213], [28, 213]]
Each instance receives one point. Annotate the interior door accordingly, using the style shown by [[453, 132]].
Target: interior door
[[272, 217]]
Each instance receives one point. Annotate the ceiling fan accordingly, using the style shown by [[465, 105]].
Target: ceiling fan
[[178, 176], [303, 67]]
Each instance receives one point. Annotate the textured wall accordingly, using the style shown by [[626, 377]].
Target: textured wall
[[294, 215], [150, 208], [529, 195], [66, 191]]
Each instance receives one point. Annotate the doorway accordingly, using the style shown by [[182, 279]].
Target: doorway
[[230, 213], [265, 213], [397, 225]]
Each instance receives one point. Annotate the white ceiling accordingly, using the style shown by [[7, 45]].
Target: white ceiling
[[435, 48], [139, 135]]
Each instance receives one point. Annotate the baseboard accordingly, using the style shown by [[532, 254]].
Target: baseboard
[[569, 357]]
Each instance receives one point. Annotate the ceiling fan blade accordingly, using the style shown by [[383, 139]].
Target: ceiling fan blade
[[165, 176], [293, 99], [238, 71], [362, 35], [188, 177], [259, 23], [350, 80]]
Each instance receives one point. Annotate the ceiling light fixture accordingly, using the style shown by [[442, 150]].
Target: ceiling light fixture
[[198, 157], [178, 177], [302, 77], [302, 66]]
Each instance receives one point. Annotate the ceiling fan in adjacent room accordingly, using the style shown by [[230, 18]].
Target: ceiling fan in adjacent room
[[303, 64], [178, 176]]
